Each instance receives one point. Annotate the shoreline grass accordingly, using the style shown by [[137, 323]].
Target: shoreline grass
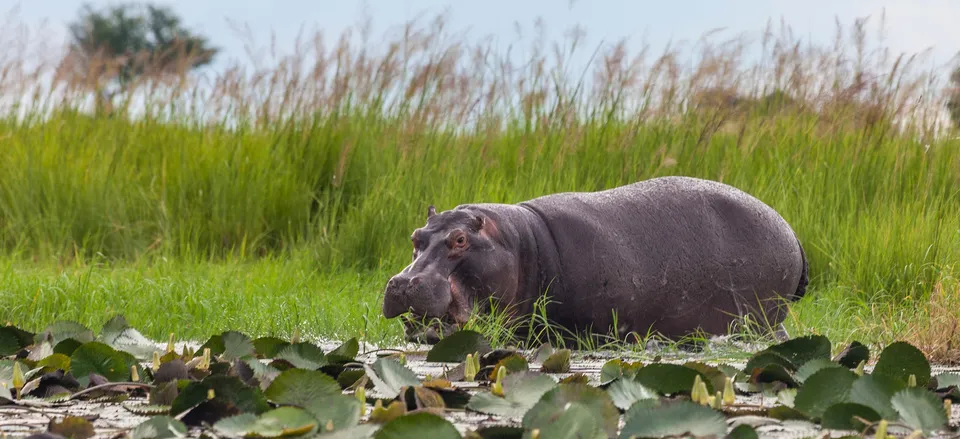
[[295, 204]]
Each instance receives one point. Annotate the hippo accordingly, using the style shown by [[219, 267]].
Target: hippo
[[670, 256]]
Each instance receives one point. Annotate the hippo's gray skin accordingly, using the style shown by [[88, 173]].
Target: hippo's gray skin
[[669, 255]]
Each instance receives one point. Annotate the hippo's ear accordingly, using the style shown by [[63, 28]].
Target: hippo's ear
[[431, 211], [478, 222]]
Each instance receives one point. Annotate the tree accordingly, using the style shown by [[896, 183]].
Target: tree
[[112, 48]]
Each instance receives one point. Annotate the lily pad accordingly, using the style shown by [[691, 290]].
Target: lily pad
[[344, 353], [616, 368], [98, 358], [875, 391], [521, 392], [595, 400], [63, 330], [303, 355], [825, 388], [418, 425], [72, 427], [669, 379], [843, 416], [301, 387], [10, 342], [573, 420], [811, 367], [236, 346], [455, 347], [336, 412], [743, 431], [557, 362], [54, 362], [900, 360], [800, 350], [625, 392], [269, 347], [852, 355], [159, 427], [276, 423], [230, 397], [920, 409], [118, 334], [677, 418], [389, 376]]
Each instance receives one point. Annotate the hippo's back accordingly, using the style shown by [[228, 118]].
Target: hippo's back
[[667, 250]]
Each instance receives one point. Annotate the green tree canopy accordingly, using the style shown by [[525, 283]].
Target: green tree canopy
[[114, 46]]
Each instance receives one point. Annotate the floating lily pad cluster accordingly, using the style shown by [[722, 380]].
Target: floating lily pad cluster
[[235, 386]]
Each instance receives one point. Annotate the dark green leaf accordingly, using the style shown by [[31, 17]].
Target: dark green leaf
[[231, 396], [803, 349], [361, 431], [853, 355], [215, 344], [346, 352], [498, 432], [301, 387], [418, 425], [900, 360], [98, 358], [763, 359], [673, 419], [269, 347], [455, 347], [66, 347], [823, 389], [843, 416], [669, 379], [875, 391], [743, 431], [9, 341], [349, 377], [920, 409]]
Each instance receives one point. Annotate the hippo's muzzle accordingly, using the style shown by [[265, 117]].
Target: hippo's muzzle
[[426, 297]]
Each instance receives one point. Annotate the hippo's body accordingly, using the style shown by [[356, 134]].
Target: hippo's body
[[670, 255]]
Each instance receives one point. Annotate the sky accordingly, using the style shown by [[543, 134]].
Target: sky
[[912, 26]]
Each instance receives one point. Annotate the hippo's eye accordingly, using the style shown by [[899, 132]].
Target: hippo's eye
[[461, 241]]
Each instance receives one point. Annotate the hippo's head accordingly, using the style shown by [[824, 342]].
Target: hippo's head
[[459, 259]]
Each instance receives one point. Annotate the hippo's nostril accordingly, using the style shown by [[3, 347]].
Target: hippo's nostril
[[415, 280]]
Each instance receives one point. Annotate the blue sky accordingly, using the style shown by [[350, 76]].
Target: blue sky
[[912, 26]]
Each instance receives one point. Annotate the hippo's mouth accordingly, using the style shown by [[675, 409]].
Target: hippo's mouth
[[428, 330]]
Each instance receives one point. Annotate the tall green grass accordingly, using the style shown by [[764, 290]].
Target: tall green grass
[[328, 161]]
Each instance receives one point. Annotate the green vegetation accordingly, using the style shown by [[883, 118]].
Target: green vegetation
[[284, 198], [238, 386]]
